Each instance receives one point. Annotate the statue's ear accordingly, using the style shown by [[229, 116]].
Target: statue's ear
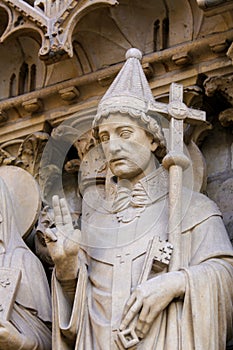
[[154, 145], [1, 217]]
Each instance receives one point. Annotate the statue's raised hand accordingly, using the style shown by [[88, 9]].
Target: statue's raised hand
[[62, 242]]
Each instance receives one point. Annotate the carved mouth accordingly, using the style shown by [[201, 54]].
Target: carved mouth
[[115, 160]]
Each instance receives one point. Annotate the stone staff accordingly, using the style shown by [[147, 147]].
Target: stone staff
[[176, 161]]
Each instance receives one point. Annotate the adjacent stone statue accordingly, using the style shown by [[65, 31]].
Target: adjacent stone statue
[[112, 285], [25, 309]]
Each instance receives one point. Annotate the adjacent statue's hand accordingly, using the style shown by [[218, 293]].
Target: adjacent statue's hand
[[62, 242], [150, 298], [12, 339]]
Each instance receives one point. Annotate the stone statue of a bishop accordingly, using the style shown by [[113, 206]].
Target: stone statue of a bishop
[[112, 286]]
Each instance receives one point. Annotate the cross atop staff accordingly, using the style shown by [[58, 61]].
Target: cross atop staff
[[176, 161], [177, 112]]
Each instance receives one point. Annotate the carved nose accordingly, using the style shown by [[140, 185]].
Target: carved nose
[[114, 146]]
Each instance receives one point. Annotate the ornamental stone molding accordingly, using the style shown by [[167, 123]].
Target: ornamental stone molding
[[211, 3], [53, 23], [222, 85], [211, 6], [37, 91], [52, 20]]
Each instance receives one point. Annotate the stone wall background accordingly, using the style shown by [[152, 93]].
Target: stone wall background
[[217, 149]]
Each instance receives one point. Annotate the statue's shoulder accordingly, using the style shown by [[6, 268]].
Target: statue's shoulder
[[196, 208]]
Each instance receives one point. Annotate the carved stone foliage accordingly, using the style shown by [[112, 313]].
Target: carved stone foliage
[[26, 153], [222, 85]]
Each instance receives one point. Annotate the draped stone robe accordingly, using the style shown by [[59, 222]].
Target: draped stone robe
[[111, 259], [31, 312]]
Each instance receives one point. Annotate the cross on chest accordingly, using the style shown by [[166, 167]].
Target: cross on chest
[[122, 258], [163, 252]]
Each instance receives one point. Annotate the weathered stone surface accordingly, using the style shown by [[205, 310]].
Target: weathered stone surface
[[58, 58], [25, 312], [122, 246]]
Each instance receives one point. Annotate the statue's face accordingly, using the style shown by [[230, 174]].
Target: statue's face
[[127, 146]]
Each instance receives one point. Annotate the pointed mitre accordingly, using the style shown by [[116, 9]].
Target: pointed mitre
[[130, 93], [130, 88]]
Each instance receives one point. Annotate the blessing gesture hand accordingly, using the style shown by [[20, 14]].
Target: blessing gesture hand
[[62, 242]]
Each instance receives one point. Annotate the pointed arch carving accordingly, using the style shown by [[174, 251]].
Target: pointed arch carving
[[53, 21]]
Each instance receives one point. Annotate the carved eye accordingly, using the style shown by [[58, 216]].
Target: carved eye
[[125, 134], [104, 138]]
